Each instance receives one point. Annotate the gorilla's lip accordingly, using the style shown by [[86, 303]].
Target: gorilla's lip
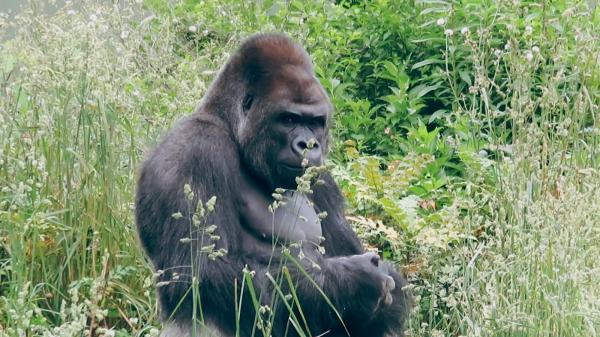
[[293, 167]]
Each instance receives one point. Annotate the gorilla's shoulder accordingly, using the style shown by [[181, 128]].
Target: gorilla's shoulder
[[195, 143], [195, 135]]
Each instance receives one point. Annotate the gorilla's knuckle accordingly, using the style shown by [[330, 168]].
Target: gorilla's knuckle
[[389, 283]]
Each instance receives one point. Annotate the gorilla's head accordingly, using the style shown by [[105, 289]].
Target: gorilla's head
[[279, 112]]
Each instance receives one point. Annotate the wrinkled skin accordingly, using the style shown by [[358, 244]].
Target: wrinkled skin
[[263, 116]]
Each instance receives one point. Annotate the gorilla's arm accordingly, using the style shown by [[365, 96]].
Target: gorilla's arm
[[185, 157], [340, 239]]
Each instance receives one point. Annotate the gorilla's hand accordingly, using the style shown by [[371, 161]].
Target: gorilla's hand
[[389, 318], [370, 262], [372, 286]]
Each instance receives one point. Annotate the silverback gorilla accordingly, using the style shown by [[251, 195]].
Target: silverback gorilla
[[264, 120]]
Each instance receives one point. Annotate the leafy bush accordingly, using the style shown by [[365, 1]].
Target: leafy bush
[[466, 141]]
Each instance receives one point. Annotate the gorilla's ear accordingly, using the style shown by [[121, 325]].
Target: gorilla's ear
[[254, 72], [247, 102]]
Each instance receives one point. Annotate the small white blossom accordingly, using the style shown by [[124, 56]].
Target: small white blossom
[[192, 29], [449, 32], [464, 30], [441, 21], [535, 49], [124, 34], [529, 56], [528, 30]]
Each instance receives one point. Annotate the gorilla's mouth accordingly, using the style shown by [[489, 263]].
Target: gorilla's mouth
[[293, 168], [287, 175]]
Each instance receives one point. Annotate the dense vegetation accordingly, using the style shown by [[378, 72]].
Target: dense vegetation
[[467, 141]]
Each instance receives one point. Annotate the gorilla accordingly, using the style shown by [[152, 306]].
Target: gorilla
[[262, 125]]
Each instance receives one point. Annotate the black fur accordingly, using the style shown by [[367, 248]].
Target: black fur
[[232, 132]]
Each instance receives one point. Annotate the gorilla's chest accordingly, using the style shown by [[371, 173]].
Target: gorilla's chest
[[296, 220], [293, 221]]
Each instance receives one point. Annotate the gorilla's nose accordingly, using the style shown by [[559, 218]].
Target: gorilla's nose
[[309, 149]]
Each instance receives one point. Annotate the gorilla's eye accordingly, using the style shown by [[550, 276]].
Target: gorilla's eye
[[318, 122], [289, 118]]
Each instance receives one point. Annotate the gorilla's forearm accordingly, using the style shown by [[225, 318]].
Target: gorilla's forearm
[[341, 289], [322, 291]]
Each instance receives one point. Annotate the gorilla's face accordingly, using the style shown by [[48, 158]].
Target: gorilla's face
[[285, 129]]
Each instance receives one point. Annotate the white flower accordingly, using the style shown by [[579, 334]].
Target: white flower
[[192, 29], [507, 46], [93, 17], [441, 21], [124, 34], [535, 49], [528, 30], [448, 32], [529, 56], [498, 52], [464, 30]]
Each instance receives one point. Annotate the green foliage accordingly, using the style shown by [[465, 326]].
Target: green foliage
[[466, 141]]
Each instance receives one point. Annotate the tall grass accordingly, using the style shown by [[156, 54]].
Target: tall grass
[[78, 109], [537, 274], [532, 222], [86, 91]]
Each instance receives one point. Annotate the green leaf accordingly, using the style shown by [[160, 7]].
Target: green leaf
[[426, 62], [465, 76], [422, 90]]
